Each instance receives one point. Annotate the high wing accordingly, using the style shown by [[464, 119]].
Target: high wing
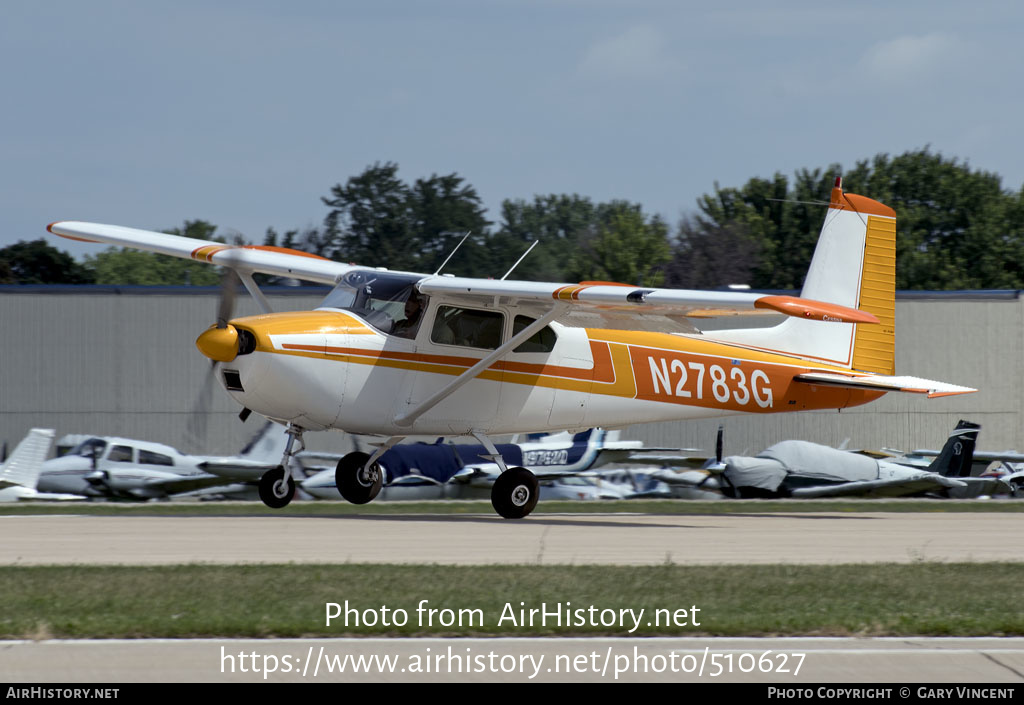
[[610, 304], [278, 261], [609, 297]]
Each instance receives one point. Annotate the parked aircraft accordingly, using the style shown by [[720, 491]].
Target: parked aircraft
[[808, 470], [125, 468], [1001, 469], [19, 475], [450, 470], [485, 357]]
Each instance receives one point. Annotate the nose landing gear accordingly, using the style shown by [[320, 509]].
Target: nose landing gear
[[277, 487], [276, 490]]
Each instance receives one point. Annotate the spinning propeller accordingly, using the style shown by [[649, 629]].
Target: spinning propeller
[[219, 343]]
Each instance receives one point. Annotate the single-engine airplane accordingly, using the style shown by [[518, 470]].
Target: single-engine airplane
[[808, 470], [395, 354], [130, 469], [19, 475]]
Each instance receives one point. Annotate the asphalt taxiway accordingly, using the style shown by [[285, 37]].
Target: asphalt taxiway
[[616, 539], [630, 539]]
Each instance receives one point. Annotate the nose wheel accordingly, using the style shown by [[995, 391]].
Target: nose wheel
[[356, 482], [276, 490], [515, 492]]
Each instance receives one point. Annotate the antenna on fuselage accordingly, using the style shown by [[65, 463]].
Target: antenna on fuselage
[[452, 252], [521, 259]]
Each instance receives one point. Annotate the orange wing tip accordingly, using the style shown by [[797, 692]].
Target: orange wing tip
[[814, 310], [49, 229]]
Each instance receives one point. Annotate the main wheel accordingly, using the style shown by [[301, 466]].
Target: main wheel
[[515, 492], [274, 492], [357, 485]]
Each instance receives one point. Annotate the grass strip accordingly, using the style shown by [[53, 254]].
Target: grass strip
[[640, 506], [947, 599]]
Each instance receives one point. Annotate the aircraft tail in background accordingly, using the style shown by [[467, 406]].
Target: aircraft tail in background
[[26, 462]]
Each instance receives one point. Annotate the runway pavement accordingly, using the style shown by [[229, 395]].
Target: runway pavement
[[622, 539], [782, 662], [825, 538]]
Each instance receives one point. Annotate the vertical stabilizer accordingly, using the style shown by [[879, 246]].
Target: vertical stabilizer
[[26, 462], [854, 265], [958, 453]]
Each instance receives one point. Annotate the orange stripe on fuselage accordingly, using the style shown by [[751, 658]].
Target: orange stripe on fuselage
[[681, 370], [656, 367]]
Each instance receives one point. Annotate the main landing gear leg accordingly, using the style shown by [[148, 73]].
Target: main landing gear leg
[[515, 492], [277, 487], [359, 476]]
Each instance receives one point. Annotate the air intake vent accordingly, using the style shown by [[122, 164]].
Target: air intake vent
[[233, 381]]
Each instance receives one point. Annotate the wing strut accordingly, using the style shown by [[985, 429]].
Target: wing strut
[[254, 291], [409, 417]]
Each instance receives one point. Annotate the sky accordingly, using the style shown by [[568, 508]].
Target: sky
[[245, 114]]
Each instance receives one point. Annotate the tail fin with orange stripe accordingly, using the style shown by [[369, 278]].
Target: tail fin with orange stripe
[[854, 265]]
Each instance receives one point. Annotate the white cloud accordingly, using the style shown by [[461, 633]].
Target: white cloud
[[910, 58], [638, 53]]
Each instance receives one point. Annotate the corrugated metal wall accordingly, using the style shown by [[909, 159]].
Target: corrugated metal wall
[[125, 364]]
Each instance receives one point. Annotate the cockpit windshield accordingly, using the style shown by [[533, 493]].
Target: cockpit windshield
[[89, 448], [377, 297]]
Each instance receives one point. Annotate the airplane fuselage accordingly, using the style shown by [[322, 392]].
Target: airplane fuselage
[[329, 369]]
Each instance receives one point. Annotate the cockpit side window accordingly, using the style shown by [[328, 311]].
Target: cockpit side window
[[467, 327], [120, 454], [148, 457], [543, 341]]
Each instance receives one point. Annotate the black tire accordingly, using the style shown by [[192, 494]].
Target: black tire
[[355, 485], [515, 493], [273, 492]]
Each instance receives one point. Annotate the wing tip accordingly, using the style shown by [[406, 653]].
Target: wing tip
[[51, 226]]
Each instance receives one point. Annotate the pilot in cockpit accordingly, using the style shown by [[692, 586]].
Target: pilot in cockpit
[[407, 327]]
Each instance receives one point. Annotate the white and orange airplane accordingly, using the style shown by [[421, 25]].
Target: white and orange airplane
[[395, 354]]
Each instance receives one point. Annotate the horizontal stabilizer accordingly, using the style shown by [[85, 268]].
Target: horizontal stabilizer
[[884, 383]]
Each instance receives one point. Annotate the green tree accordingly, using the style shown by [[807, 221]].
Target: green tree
[[124, 266], [557, 221], [376, 219], [39, 262], [625, 247], [710, 256], [956, 227], [443, 209]]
